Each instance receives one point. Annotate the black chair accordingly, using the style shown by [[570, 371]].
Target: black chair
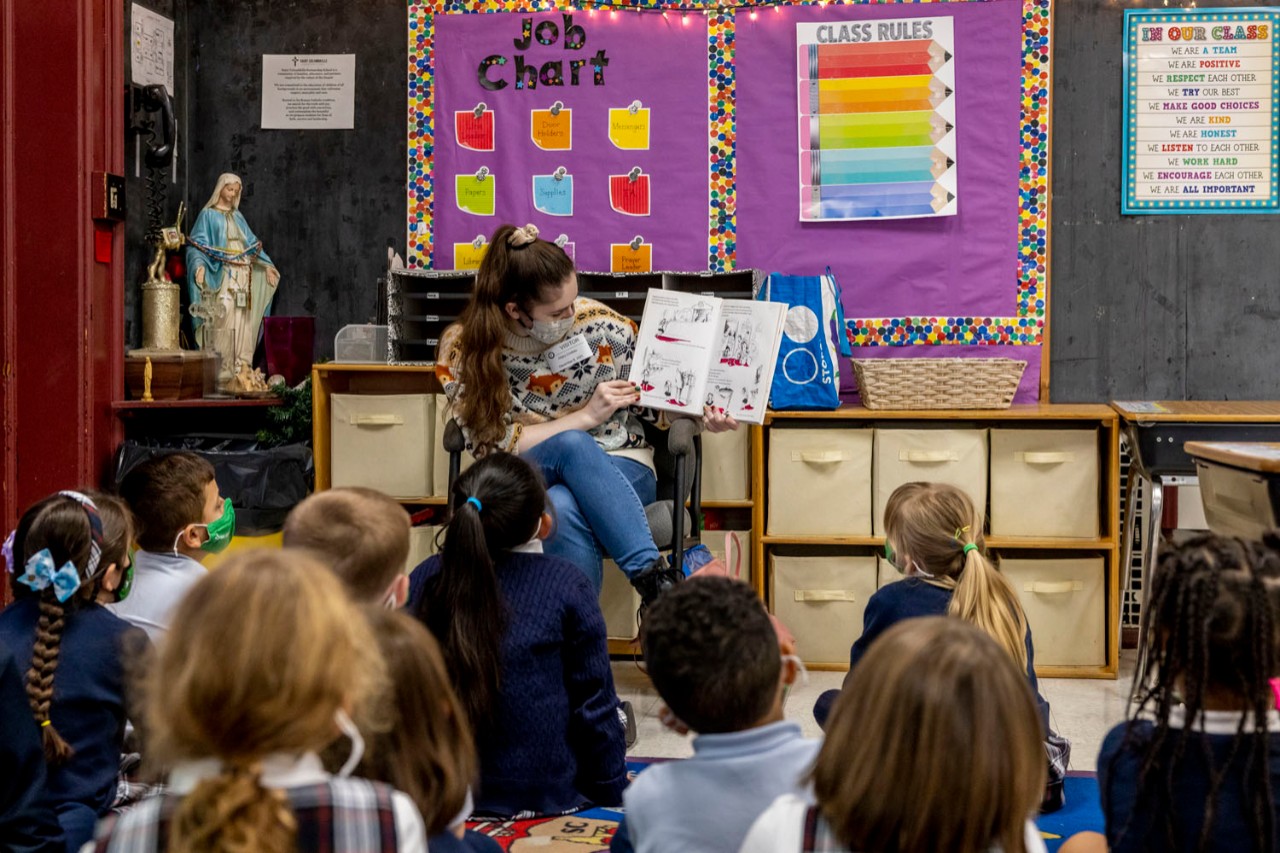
[[677, 458]]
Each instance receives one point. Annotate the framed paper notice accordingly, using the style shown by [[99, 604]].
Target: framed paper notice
[[1201, 111]]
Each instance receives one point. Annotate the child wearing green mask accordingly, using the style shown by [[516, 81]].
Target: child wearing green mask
[[182, 519]]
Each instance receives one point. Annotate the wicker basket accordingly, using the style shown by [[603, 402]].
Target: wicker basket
[[938, 383]]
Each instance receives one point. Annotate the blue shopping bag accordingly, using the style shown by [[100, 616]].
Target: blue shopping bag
[[807, 375]]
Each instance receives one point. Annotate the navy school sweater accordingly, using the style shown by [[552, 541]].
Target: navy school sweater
[[27, 822], [1134, 826], [88, 707], [557, 742], [909, 598]]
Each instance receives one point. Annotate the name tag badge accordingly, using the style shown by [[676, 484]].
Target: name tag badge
[[568, 353]]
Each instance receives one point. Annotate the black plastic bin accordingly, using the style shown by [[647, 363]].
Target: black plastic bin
[[264, 483]]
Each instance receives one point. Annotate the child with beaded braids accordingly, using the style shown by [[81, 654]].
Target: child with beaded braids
[[524, 643], [1198, 766], [933, 536], [68, 555]]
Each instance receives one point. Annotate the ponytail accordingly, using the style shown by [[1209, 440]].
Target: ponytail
[[44, 662], [234, 813], [936, 526], [517, 267], [985, 597], [498, 503]]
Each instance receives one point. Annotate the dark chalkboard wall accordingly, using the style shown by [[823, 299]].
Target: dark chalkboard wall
[[323, 202], [1141, 307], [1145, 307]]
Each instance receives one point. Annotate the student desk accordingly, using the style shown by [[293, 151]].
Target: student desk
[[1240, 485], [1157, 434]]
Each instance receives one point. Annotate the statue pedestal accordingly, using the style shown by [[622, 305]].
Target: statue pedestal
[[176, 374]]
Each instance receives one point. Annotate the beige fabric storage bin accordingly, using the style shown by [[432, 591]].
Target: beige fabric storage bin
[[422, 544], [1044, 482], [383, 441], [821, 600], [725, 464], [1066, 605], [954, 456], [819, 482], [440, 458], [619, 602]]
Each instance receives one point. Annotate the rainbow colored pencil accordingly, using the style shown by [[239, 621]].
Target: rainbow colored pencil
[[872, 130], [823, 61], [873, 165]]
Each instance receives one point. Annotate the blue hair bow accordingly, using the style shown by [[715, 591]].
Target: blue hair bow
[[40, 573]]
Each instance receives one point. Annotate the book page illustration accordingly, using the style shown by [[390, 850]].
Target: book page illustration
[[745, 352], [674, 349]]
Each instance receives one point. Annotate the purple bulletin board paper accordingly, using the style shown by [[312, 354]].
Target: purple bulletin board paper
[[963, 265], [660, 62]]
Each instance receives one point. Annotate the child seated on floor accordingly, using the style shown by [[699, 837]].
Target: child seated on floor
[[714, 659], [934, 746], [362, 534], [69, 553], [933, 535], [524, 643], [265, 660], [425, 747], [181, 520], [1197, 768]]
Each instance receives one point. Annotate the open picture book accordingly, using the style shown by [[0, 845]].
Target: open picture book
[[695, 350]]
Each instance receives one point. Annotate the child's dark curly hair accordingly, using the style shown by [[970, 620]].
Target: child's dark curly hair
[[1210, 624], [713, 654]]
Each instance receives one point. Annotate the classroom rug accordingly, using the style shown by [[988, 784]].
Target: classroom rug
[[594, 828]]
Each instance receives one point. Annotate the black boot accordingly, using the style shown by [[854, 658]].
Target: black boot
[[1055, 797], [654, 581]]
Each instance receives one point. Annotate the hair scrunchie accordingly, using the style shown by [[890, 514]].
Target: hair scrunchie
[[523, 236]]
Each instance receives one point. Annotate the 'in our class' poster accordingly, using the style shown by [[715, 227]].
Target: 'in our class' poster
[[1201, 111], [877, 119]]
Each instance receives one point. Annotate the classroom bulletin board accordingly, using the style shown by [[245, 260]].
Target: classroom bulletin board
[[685, 151]]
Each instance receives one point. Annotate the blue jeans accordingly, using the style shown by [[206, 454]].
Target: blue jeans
[[598, 502]]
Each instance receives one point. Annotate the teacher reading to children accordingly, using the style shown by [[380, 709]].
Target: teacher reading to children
[[531, 368]]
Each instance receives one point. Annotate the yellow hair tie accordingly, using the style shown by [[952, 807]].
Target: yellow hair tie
[[960, 531], [45, 723]]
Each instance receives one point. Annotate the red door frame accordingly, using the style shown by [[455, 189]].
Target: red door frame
[[61, 311]]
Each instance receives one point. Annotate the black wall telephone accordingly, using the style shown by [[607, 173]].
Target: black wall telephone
[[161, 133]]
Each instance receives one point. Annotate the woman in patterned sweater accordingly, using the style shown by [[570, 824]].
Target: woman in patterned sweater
[[532, 368]]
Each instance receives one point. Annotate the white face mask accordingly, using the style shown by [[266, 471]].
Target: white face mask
[[550, 331], [348, 728], [802, 675]]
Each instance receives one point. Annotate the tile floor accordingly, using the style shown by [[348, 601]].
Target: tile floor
[[1083, 710]]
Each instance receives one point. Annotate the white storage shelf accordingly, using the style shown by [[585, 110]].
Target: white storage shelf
[[1047, 474]]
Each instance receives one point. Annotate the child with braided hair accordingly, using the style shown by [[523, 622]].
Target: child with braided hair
[[68, 554], [265, 665], [1198, 765]]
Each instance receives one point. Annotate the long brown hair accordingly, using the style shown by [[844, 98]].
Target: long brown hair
[[934, 744], [930, 524], [464, 606], [523, 274], [61, 525], [427, 751], [261, 656], [1210, 621]]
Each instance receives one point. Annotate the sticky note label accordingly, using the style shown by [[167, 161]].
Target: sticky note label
[[552, 133], [475, 196], [626, 259], [628, 130], [628, 196], [553, 196], [467, 257], [474, 132]]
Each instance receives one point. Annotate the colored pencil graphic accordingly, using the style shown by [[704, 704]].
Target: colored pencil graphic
[[873, 130], [876, 120], [873, 165], [822, 61]]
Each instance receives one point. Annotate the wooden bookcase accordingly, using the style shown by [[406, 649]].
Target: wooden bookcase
[[1107, 544]]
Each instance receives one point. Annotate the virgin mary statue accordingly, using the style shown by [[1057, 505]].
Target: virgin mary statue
[[231, 280]]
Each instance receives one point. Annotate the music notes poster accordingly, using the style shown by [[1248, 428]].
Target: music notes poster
[[877, 119]]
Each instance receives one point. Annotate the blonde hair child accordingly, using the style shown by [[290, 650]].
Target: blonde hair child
[[264, 666]]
